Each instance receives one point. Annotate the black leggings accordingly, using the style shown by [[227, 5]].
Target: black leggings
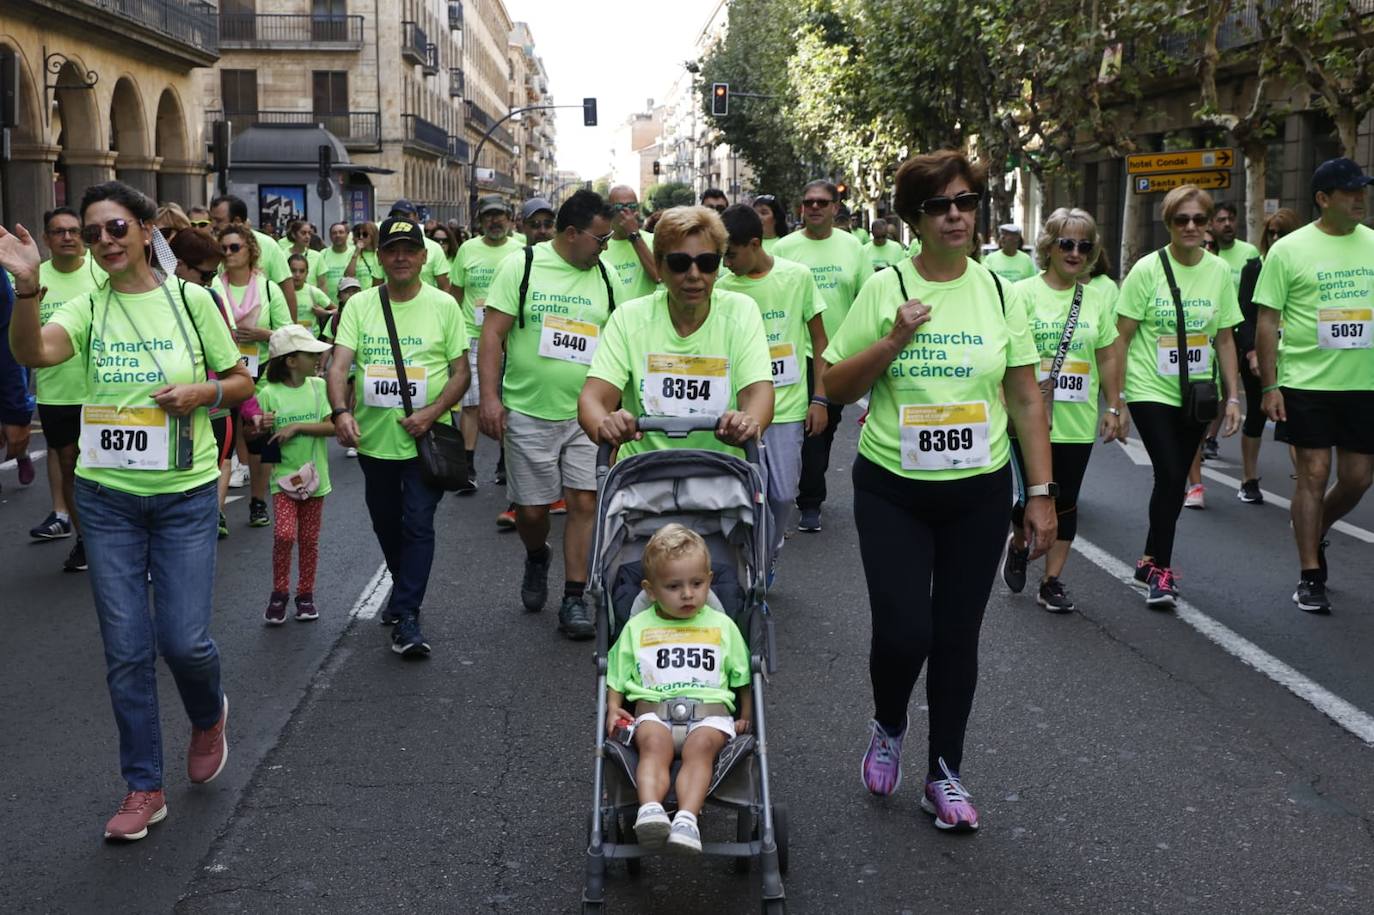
[[1254, 401], [930, 551], [1171, 439], [815, 453], [1070, 463]]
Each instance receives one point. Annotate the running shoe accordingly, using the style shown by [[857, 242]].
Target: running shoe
[[138, 811], [223, 526], [882, 766], [685, 836], [575, 620], [1311, 597], [407, 640], [52, 528], [257, 513], [238, 477], [810, 521], [275, 614], [388, 617], [1053, 597], [76, 559], [1250, 493], [559, 508], [948, 801], [506, 520], [25, 465], [1196, 497], [652, 825], [534, 590], [351, 452], [1143, 569], [1163, 589], [305, 608], [1014, 568], [209, 749], [468, 486], [1210, 449]]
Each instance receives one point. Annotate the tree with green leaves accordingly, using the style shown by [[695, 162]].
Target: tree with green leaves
[[1330, 48], [670, 194]]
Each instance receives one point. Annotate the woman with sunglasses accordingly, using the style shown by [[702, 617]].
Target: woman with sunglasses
[[774, 219], [171, 220], [640, 362], [364, 265], [257, 307], [1146, 319], [1066, 247], [940, 342], [145, 479], [444, 238]]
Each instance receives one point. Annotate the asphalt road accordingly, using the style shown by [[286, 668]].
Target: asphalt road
[[1121, 759]]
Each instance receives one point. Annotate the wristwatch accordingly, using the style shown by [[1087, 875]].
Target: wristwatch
[[632, 237], [338, 411], [1043, 489]]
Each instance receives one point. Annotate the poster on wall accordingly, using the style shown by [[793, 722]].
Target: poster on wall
[[278, 204], [358, 201]]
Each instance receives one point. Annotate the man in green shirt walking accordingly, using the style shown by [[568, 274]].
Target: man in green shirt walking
[[435, 270], [1009, 262], [629, 255], [881, 252], [1235, 252], [230, 210]]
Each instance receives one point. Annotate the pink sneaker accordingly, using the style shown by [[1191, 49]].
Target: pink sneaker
[[138, 811], [882, 767], [1196, 497], [947, 801], [209, 750]]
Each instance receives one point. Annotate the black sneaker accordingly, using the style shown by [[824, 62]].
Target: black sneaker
[[1311, 597], [1250, 493], [1014, 568], [575, 620], [1210, 449], [1053, 597], [1143, 568], [52, 528], [534, 590], [1163, 589], [257, 513], [407, 640], [468, 487], [810, 520], [76, 559]]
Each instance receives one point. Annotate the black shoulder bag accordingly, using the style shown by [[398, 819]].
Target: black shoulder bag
[[1201, 399], [443, 462]]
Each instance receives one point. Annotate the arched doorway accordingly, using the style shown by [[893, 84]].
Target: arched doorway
[[129, 139], [178, 179], [26, 185], [85, 159]]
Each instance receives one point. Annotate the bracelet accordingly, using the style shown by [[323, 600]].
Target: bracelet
[[818, 399], [1114, 411], [1234, 400], [27, 295], [1267, 389], [219, 393]]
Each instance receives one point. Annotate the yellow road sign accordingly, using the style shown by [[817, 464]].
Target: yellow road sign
[[1155, 184], [1185, 160]]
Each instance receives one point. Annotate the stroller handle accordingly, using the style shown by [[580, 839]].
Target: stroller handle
[[675, 427]]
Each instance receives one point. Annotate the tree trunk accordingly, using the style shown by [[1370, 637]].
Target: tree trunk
[[1348, 125], [1131, 242], [1256, 167]]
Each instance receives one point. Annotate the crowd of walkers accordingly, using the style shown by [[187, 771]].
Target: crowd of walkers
[[169, 347]]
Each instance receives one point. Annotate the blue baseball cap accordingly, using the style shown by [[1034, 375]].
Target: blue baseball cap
[[1339, 175]]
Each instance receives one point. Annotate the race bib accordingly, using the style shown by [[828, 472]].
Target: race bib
[[128, 438], [686, 385], [248, 357], [677, 658], [1073, 383], [568, 340], [944, 436], [381, 387], [786, 370], [1199, 355], [479, 313], [1344, 328]]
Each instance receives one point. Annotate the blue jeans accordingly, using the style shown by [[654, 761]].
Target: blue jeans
[[402, 508], [172, 536]]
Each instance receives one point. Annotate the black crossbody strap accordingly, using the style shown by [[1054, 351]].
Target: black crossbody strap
[[402, 383], [606, 278], [901, 284], [525, 284], [1182, 321], [1070, 325]]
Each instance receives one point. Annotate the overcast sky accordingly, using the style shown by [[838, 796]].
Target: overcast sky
[[623, 52]]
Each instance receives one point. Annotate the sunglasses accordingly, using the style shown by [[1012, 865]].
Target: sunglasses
[[966, 202], [681, 263], [816, 202], [232, 248], [718, 207], [200, 223], [765, 198], [623, 207], [1068, 244], [600, 239], [1198, 219], [205, 275], [544, 224], [118, 228]]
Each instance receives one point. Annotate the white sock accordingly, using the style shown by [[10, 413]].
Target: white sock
[[685, 817], [63, 516]]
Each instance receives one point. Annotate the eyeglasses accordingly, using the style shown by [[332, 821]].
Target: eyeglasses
[[624, 207], [200, 223], [816, 203], [600, 239], [681, 263], [66, 230], [718, 207], [118, 228], [544, 224], [1068, 244], [1198, 219], [966, 202], [232, 248]]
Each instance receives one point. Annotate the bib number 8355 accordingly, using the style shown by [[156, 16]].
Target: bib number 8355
[[694, 658], [686, 389]]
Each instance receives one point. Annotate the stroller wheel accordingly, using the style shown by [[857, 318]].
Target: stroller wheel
[[782, 822], [596, 908], [770, 907], [744, 832]]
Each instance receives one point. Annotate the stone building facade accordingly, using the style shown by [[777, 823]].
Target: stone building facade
[[487, 68]]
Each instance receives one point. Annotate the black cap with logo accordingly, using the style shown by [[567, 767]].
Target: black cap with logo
[[400, 228]]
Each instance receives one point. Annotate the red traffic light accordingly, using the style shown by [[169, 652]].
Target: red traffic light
[[720, 99]]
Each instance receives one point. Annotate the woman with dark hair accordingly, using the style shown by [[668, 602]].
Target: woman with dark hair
[[774, 219], [444, 237], [145, 479], [364, 264], [942, 344]]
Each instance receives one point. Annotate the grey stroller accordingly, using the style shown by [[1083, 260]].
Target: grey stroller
[[723, 499]]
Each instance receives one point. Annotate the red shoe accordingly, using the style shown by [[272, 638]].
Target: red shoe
[[506, 520], [138, 811], [209, 750], [559, 508]]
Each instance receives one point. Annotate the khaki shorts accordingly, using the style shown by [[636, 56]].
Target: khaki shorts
[[473, 397], [544, 457]]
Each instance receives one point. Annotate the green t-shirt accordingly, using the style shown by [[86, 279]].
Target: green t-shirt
[[272, 313], [520, 238], [271, 258], [622, 261], [565, 316], [1013, 269], [1075, 397], [884, 255], [656, 658], [770, 243], [1236, 258], [127, 361], [642, 355], [308, 298], [914, 248], [1320, 285], [312, 263], [1107, 286], [368, 270], [64, 384], [838, 264], [329, 269], [1209, 303], [473, 268], [862, 235], [787, 298], [436, 263], [431, 332], [308, 403], [936, 413]]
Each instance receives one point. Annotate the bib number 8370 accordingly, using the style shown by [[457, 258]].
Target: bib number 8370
[[687, 389], [694, 658], [123, 440]]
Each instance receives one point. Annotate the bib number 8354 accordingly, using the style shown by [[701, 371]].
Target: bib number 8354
[[687, 389], [694, 658]]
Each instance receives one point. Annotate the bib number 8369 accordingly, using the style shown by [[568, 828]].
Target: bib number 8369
[[945, 439], [123, 440], [695, 658], [686, 389]]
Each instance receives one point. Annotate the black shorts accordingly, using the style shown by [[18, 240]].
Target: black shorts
[[224, 436], [61, 423], [1328, 419]]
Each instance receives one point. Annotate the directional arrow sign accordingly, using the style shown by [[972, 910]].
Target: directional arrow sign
[[1186, 160], [1154, 184]]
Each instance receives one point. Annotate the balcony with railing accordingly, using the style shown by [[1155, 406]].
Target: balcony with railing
[[459, 150], [457, 82], [425, 136], [455, 15], [431, 63], [360, 131], [414, 43], [184, 31], [290, 32], [491, 179]]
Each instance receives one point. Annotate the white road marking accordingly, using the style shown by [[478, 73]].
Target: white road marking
[[374, 593], [1136, 452], [35, 456], [1328, 703], [231, 499]]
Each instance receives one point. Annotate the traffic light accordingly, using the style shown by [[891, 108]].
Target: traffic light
[[720, 99], [657, 170], [326, 161], [589, 112], [841, 188]]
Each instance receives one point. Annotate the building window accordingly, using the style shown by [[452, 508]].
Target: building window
[[329, 100], [239, 91], [238, 20]]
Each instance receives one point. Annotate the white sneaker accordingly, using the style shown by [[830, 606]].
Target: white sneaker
[[351, 452], [652, 825], [238, 477], [685, 837], [1195, 497]]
